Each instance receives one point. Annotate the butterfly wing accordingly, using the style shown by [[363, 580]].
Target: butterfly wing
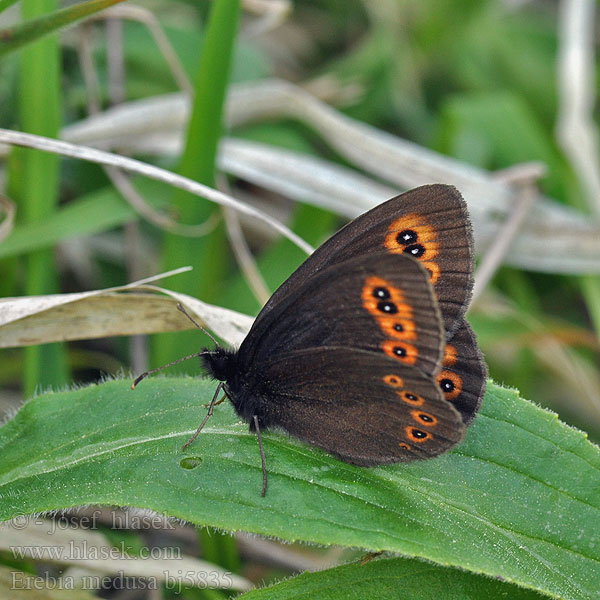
[[363, 407], [463, 375], [429, 223], [381, 303]]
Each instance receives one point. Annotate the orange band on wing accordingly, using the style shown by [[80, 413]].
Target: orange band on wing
[[450, 355], [413, 235], [386, 303], [389, 307]]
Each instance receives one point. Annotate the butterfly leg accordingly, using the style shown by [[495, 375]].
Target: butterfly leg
[[262, 456], [223, 398], [208, 416]]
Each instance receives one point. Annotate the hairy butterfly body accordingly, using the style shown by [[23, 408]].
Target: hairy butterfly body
[[364, 350]]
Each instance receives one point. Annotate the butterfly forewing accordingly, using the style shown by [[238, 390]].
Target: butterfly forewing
[[429, 223], [383, 412], [381, 303]]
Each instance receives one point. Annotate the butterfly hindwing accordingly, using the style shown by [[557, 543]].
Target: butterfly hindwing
[[381, 303], [365, 408], [463, 375]]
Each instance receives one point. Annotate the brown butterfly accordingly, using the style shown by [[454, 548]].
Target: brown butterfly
[[364, 351]]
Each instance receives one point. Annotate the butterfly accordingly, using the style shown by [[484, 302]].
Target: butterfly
[[364, 350]]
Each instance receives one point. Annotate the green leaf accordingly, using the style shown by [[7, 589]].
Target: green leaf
[[383, 578], [519, 499]]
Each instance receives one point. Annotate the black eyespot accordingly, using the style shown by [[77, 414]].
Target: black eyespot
[[387, 307], [417, 433], [408, 236], [447, 386], [381, 293], [398, 327], [401, 352], [410, 396], [425, 418], [415, 250]]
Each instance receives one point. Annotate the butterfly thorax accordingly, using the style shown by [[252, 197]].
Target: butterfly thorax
[[222, 364]]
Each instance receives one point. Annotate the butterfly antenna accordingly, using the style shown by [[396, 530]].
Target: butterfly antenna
[[181, 308], [151, 371]]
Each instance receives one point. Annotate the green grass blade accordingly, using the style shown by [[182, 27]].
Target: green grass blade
[[519, 499], [4, 4], [590, 288], [34, 184], [13, 38], [208, 255], [98, 211]]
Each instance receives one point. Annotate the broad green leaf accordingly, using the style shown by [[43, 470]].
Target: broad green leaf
[[382, 579], [519, 499]]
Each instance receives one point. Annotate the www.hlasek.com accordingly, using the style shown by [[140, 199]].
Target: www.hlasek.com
[[171, 581], [84, 551]]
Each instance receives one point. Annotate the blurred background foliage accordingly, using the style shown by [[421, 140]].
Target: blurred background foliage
[[472, 79]]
